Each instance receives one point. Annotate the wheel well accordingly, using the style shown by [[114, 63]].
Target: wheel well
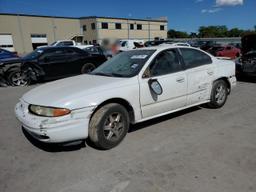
[[122, 102], [225, 79], [10, 69]]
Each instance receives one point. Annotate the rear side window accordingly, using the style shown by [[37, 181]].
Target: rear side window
[[67, 43], [194, 58]]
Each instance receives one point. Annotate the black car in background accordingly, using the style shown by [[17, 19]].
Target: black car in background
[[50, 63], [246, 64], [156, 42], [98, 50]]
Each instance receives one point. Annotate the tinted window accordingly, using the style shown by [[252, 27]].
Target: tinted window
[[53, 55], [34, 54], [165, 62], [194, 58], [93, 50], [104, 25], [123, 43], [72, 52], [118, 26], [67, 43]]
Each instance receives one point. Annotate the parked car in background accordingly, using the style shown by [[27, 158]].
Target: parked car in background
[[4, 54], [225, 51], [156, 42], [206, 45], [53, 63], [246, 64], [180, 44], [129, 44], [65, 43], [98, 50], [3, 81], [132, 87]]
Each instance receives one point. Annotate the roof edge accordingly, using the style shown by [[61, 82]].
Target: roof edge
[[86, 17]]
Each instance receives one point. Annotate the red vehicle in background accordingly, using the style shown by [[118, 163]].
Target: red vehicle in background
[[225, 51]]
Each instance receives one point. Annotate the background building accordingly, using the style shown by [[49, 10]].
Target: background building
[[23, 33]]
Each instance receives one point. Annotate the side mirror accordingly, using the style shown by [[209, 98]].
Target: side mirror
[[155, 86]]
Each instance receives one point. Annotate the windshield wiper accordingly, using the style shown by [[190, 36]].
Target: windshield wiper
[[118, 75]]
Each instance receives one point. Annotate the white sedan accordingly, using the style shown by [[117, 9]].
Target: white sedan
[[132, 87]]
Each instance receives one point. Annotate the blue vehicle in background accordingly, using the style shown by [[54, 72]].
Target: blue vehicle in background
[[5, 58], [4, 54]]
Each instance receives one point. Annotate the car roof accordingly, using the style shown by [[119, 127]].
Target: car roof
[[56, 47], [165, 46]]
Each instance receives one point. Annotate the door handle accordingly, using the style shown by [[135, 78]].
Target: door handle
[[180, 79]]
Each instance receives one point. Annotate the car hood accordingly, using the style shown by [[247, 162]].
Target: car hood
[[67, 92]]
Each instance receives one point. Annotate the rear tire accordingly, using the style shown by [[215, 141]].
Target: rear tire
[[87, 68], [219, 94], [108, 126]]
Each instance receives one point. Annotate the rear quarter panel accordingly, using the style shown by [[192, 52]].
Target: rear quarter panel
[[225, 69]]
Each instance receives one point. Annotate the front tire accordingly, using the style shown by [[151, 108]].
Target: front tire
[[17, 78], [219, 94], [108, 126]]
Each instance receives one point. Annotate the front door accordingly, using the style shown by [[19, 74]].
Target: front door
[[167, 70], [54, 63]]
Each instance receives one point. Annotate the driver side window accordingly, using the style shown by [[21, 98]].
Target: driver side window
[[165, 62]]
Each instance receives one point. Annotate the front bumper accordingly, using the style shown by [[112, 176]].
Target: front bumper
[[73, 126]]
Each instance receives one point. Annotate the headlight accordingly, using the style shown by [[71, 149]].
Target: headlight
[[48, 111]]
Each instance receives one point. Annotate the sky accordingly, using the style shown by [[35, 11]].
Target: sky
[[184, 15]]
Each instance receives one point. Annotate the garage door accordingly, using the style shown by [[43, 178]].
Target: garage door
[[6, 42], [38, 40]]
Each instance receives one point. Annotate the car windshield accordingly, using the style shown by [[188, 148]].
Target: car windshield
[[53, 43], [33, 54], [125, 64]]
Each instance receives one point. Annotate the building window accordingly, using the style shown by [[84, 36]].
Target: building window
[[93, 26], [94, 42], [104, 25], [139, 27], [162, 27], [131, 26], [84, 28], [118, 26], [85, 42]]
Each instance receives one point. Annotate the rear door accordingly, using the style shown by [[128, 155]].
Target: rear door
[[200, 72], [75, 61], [167, 70]]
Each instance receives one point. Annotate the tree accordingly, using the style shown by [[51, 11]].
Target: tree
[[213, 31], [235, 32], [177, 34]]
